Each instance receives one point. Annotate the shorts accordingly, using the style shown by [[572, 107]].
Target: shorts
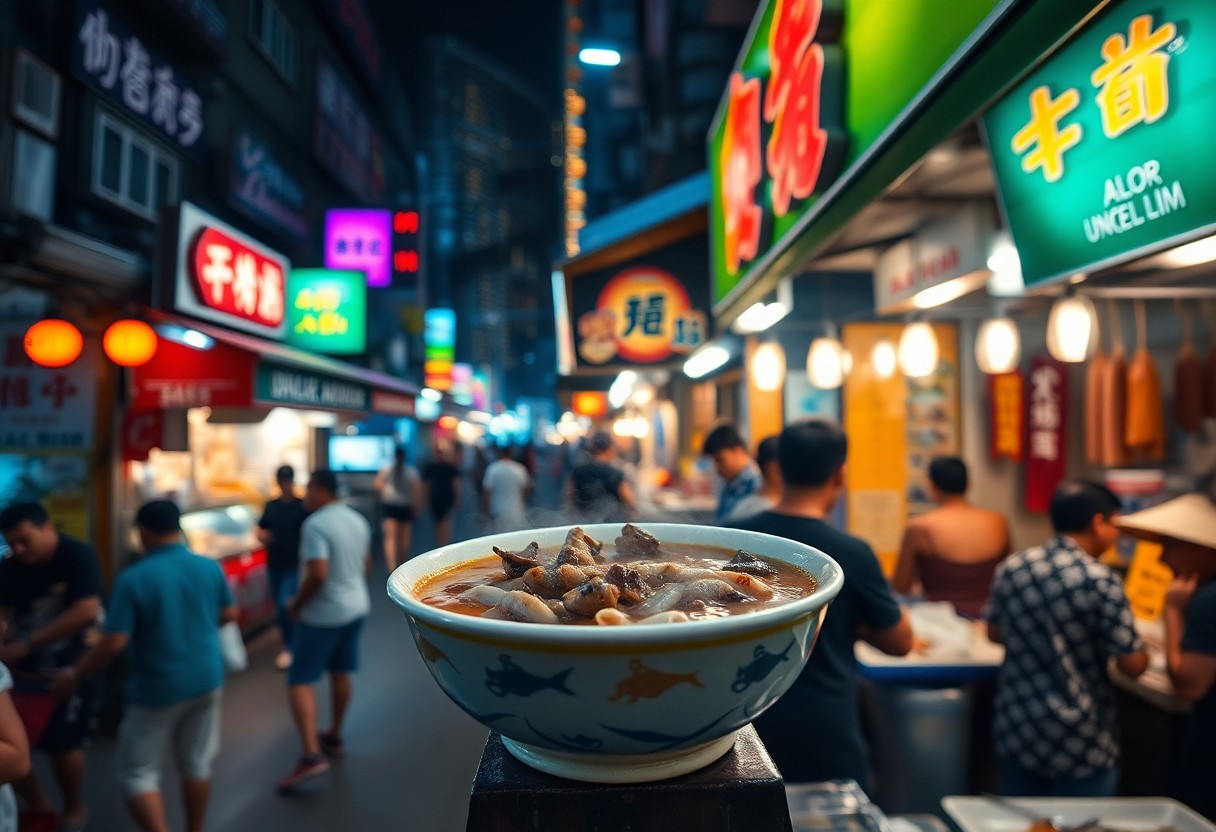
[[402, 514], [71, 724], [194, 728], [317, 650]]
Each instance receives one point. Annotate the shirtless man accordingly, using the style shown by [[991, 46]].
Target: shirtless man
[[953, 551]]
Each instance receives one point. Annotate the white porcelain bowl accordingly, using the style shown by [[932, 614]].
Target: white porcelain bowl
[[584, 702]]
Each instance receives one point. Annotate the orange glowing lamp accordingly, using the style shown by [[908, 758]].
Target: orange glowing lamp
[[130, 343], [448, 422], [53, 343]]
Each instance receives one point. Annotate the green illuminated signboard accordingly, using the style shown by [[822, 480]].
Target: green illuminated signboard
[[327, 311], [1104, 152], [828, 77]]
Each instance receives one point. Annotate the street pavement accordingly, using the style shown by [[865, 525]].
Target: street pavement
[[411, 753]]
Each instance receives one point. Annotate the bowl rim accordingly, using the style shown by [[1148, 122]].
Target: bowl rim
[[492, 631]]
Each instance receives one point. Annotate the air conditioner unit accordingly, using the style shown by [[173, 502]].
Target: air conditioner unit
[[36, 94]]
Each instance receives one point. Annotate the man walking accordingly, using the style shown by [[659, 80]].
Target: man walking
[[830, 745], [165, 611], [329, 610], [740, 476], [505, 489], [50, 590], [279, 531], [598, 488]]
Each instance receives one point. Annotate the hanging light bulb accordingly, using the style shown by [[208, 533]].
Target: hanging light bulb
[[998, 346], [827, 363], [768, 367], [1072, 330], [918, 351], [882, 358]]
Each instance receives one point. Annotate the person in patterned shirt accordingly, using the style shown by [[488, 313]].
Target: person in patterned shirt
[[1062, 616]]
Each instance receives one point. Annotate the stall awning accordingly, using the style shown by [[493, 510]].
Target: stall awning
[[218, 367]]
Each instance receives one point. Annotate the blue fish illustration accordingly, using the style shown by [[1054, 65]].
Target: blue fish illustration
[[432, 653], [513, 679], [578, 743], [661, 741], [764, 664]]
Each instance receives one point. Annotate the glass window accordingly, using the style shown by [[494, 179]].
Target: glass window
[[140, 166], [166, 181], [274, 36], [131, 170], [110, 161]]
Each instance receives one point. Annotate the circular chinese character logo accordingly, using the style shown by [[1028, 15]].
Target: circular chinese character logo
[[651, 318]]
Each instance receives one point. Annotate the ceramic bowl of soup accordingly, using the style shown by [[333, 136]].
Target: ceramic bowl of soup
[[648, 682]]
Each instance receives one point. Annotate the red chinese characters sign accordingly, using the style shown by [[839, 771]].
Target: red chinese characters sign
[[803, 117], [44, 408], [1046, 431], [181, 376], [1005, 400]]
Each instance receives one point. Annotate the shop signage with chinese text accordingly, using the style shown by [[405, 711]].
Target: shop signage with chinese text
[[952, 250], [1099, 153], [360, 239], [179, 376], [275, 384], [327, 311], [440, 345], [1047, 431], [108, 56], [842, 71], [343, 138], [1006, 392], [650, 311], [221, 275], [263, 189], [45, 409]]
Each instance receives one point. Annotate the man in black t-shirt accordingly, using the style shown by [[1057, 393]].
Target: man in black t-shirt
[[598, 488], [50, 594], [814, 732], [441, 491], [279, 531]]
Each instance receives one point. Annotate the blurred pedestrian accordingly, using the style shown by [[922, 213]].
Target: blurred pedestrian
[[400, 490], [441, 491], [740, 476], [279, 531], [50, 589], [952, 552], [769, 492], [329, 609], [14, 752], [814, 731], [165, 611], [599, 490], [505, 491], [1186, 529], [1062, 617]]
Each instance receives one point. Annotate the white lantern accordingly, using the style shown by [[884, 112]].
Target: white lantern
[[768, 367], [998, 346], [882, 359], [827, 363], [1072, 330], [918, 350]]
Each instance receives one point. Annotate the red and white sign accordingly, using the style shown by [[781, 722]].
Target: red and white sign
[[182, 376], [250, 584], [141, 432], [45, 408], [392, 404], [1006, 396], [224, 276], [1047, 431], [952, 250]]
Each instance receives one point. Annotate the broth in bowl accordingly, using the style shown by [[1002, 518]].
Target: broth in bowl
[[633, 580]]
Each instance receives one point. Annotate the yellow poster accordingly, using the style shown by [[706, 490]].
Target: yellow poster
[[896, 425], [1147, 580]]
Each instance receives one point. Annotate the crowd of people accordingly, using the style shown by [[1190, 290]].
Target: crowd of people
[[1061, 614]]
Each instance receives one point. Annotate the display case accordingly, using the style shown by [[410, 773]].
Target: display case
[[228, 534]]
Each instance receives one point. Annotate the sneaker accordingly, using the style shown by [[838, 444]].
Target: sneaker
[[306, 769], [332, 745]]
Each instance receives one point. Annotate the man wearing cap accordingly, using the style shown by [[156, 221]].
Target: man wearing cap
[[165, 610], [1186, 529], [598, 488]]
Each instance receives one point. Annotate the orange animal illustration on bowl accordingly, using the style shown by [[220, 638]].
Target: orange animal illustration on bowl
[[649, 683]]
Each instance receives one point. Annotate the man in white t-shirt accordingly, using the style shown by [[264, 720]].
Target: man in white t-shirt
[[329, 608], [506, 485]]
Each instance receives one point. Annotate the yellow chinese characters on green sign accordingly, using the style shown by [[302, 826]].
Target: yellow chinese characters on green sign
[[1098, 153], [327, 311]]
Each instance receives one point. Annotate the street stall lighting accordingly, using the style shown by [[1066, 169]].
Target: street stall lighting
[[431, 394], [827, 363], [1072, 330], [622, 387], [593, 56], [918, 351], [883, 359], [1191, 254], [998, 346], [759, 317], [641, 427], [706, 360], [941, 293], [129, 343], [53, 343], [768, 367], [1006, 267]]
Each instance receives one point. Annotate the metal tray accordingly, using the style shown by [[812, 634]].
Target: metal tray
[[1134, 814]]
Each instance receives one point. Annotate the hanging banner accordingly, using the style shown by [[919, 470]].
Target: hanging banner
[[1006, 393], [1046, 431], [45, 408]]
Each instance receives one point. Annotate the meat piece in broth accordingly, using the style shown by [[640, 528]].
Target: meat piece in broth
[[612, 617], [590, 597], [672, 596], [553, 583], [516, 564], [592, 545], [632, 585], [486, 596], [579, 549], [753, 586], [669, 617], [635, 543], [749, 564], [525, 607]]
